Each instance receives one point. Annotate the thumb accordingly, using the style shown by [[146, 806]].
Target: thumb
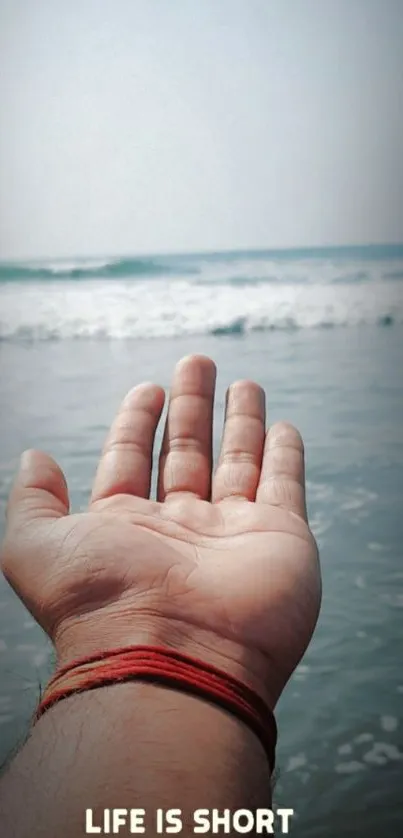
[[39, 490]]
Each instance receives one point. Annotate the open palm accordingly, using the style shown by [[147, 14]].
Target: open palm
[[225, 567]]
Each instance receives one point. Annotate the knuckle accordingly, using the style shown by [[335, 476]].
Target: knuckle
[[284, 493], [123, 442], [183, 443], [235, 455]]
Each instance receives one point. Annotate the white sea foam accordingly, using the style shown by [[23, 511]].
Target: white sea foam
[[121, 308], [349, 767], [345, 750], [360, 582], [389, 723], [363, 737], [296, 762], [65, 267], [383, 752], [39, 658], [375, 547]]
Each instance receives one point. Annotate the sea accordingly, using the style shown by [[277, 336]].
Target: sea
[[322, 331]]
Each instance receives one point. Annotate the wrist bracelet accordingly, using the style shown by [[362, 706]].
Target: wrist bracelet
[[171, 669]]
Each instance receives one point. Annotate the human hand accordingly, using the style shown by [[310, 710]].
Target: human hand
[[223, 567]]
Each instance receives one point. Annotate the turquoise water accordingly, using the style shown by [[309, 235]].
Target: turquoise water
[[208, 294], [72, 346]]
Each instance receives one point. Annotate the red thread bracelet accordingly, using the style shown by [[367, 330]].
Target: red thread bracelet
[[169, 668]]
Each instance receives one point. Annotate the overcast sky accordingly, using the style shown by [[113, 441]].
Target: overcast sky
[[141, 126]]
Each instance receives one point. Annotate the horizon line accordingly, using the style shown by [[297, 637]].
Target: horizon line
[[208, 252]]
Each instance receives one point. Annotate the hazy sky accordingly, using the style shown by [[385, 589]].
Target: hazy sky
[[132, 126]]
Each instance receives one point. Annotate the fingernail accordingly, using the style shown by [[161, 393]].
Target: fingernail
[[25, 459]]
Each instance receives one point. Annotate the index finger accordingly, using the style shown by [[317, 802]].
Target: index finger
[[126, 461]]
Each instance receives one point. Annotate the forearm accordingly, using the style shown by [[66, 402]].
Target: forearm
[[131, 746]]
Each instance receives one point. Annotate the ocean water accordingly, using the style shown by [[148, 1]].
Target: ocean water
[[322, 332]]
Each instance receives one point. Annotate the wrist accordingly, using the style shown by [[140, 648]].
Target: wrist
[[91, 634], [206, 747], [132, 745]]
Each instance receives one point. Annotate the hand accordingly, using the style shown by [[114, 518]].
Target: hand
[[224, 568]]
